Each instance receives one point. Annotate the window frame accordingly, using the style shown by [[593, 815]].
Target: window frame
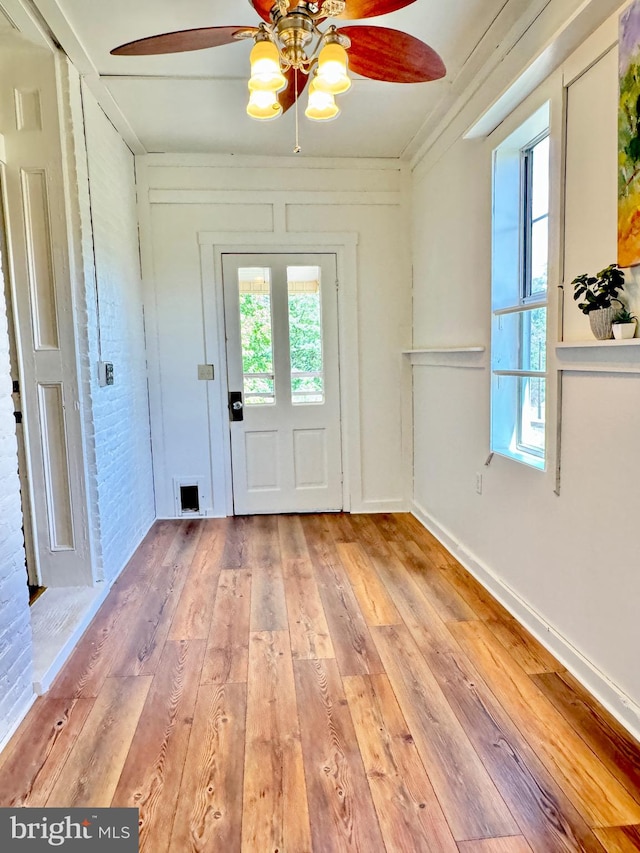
[[520, 144]]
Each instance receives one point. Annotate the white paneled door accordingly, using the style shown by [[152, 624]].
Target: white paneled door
[[281, 320]]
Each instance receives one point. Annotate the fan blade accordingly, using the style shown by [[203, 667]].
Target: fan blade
[[263, 7], [356, 9], [287, 97], [384, 54], [183, 40]]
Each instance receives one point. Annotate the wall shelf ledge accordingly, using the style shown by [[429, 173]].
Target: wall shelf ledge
[[439, 350], [591, 344], [466, 357], [599, 356]]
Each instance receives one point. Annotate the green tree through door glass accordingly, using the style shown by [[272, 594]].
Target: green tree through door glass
[[254, 286], [305, 335]]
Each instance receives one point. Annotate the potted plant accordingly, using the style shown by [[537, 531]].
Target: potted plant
[[624, 325], [599, 292]]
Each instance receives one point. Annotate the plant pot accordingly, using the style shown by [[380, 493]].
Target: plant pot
[[624, 331], [601, 322]]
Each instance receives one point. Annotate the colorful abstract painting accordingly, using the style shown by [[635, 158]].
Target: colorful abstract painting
[[629, 138]]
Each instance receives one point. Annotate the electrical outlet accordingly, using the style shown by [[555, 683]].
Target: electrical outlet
[[478, 483]]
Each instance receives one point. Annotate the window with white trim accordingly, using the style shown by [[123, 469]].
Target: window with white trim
[[519, 292]]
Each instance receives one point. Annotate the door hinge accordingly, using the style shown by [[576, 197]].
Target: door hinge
[[16, 386], [18, 417]]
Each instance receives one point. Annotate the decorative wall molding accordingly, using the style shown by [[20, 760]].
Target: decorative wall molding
[[42, 286], [272, 197], [56, 466], [28, 109]]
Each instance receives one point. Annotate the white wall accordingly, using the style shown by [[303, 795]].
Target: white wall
[[281, 201], [120, 466], [567, 565]]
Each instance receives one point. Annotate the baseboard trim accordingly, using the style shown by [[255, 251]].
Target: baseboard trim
[[623, 708], [392, 505]]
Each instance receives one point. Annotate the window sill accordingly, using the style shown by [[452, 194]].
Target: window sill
[[528, 459]]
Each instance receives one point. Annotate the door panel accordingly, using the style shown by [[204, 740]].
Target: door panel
[[282, 353]]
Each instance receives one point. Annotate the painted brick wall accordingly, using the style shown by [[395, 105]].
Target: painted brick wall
[[15, 629], [123, 466]]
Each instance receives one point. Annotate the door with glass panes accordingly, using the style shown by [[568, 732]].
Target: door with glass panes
[[281, 321]]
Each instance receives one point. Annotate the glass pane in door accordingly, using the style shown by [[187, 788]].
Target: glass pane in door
[[305, 335], [256, 335]]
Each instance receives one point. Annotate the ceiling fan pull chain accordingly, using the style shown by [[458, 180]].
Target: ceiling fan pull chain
[[297, 148]]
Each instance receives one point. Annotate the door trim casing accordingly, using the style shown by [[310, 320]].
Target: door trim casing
[[213, 245]]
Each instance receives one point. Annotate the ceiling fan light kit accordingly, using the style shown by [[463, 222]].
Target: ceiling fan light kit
[[263, 104], [322, 105], [290, 50], [265, 68]]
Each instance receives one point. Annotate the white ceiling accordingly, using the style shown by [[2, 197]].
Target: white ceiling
[[195, 102]]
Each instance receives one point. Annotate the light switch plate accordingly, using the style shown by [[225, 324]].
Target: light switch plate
[[105, 373], [205, 371]]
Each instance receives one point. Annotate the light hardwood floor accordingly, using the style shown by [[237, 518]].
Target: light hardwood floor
[[283, 684]]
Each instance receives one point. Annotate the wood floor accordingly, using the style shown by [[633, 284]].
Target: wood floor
[[283, 684]]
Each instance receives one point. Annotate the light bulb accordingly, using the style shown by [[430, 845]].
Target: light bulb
[[263, 104], [265, 68], [322, 105], [332, 70]]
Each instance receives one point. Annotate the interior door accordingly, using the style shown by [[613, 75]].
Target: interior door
[[281, 320]]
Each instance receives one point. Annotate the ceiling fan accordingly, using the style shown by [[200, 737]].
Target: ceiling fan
[[290, 49]]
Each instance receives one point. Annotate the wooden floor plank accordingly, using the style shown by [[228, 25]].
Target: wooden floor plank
[[369, 536], [142, 649], [192, 618], [450, 606], [275, 814], [514, 844], [293, 544], [341, 527], [544, 814], [461, 711], [471, 802], [341, 809], [310, 639], [209, 810], [236, 549], [227, 655], [91, 772], [151, 777], [91, 661], [268, 603], [184, 546], [615, 747], [527, 652], [354, 649], [38, 752], [594, 791], [408, 810], [375, 603], [620, 839]]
